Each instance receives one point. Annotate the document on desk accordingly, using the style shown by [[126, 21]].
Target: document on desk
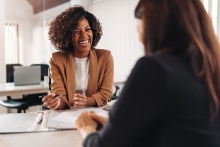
[[65, 119], [19, 123]]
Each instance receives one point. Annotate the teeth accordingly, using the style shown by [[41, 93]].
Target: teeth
[[84, 42]]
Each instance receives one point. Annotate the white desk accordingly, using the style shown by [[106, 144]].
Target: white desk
[[67, 138], [8, 89]]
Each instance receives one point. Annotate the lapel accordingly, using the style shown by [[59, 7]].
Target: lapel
[[70, 76], [93, 73]]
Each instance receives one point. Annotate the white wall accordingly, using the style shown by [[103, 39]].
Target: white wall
[[218, 21], [119, 33], [2, 47], [2, 42], [84, 3], [213, 9], [41, 47], [21, 12]]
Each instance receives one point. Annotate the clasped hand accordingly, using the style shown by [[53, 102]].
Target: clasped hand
[[79, 100], [89, 122]]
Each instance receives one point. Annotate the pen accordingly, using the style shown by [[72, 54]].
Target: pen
[[39, 116], [57, 95]]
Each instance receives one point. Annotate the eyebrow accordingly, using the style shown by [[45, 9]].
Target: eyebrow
[[85, 27]]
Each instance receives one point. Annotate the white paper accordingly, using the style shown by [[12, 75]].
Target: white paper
[[67, 118]]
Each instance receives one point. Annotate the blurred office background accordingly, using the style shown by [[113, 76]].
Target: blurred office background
[[24, 27]]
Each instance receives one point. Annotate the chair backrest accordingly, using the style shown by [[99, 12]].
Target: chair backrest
[[10, 72], [44, 70], [49, 82]]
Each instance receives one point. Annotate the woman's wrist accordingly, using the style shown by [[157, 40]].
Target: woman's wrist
[[90, 102], [62, 104], [86, 131]]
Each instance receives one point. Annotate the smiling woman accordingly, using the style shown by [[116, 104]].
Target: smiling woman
[[80, 73]]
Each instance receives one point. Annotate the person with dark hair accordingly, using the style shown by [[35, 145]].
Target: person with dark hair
[[172, 96], [80, 74]]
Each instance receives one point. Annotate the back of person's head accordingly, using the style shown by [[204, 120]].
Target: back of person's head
[[183, 28]]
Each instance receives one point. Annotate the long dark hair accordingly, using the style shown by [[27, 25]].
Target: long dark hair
[[183, 27]]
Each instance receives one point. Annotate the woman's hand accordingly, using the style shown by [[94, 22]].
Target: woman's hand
[[51, 102], [79, 100], [85, 124], [100, 119]]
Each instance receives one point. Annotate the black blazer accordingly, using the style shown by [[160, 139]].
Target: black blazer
[[163, 104]]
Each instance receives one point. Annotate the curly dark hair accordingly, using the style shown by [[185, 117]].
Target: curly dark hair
[[63, 26]]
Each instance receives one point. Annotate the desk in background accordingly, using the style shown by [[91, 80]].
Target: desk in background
[[8, 89], [16, 92]]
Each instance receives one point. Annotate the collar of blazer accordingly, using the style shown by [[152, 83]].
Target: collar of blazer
[[70, 75]]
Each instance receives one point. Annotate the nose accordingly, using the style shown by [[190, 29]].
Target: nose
[[83, 33]]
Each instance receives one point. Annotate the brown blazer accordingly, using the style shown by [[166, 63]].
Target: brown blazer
[[101, 71]]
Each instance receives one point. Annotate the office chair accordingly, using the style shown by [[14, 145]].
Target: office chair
[[18, 104], [44, 70], [10, 72], [114, 96]]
